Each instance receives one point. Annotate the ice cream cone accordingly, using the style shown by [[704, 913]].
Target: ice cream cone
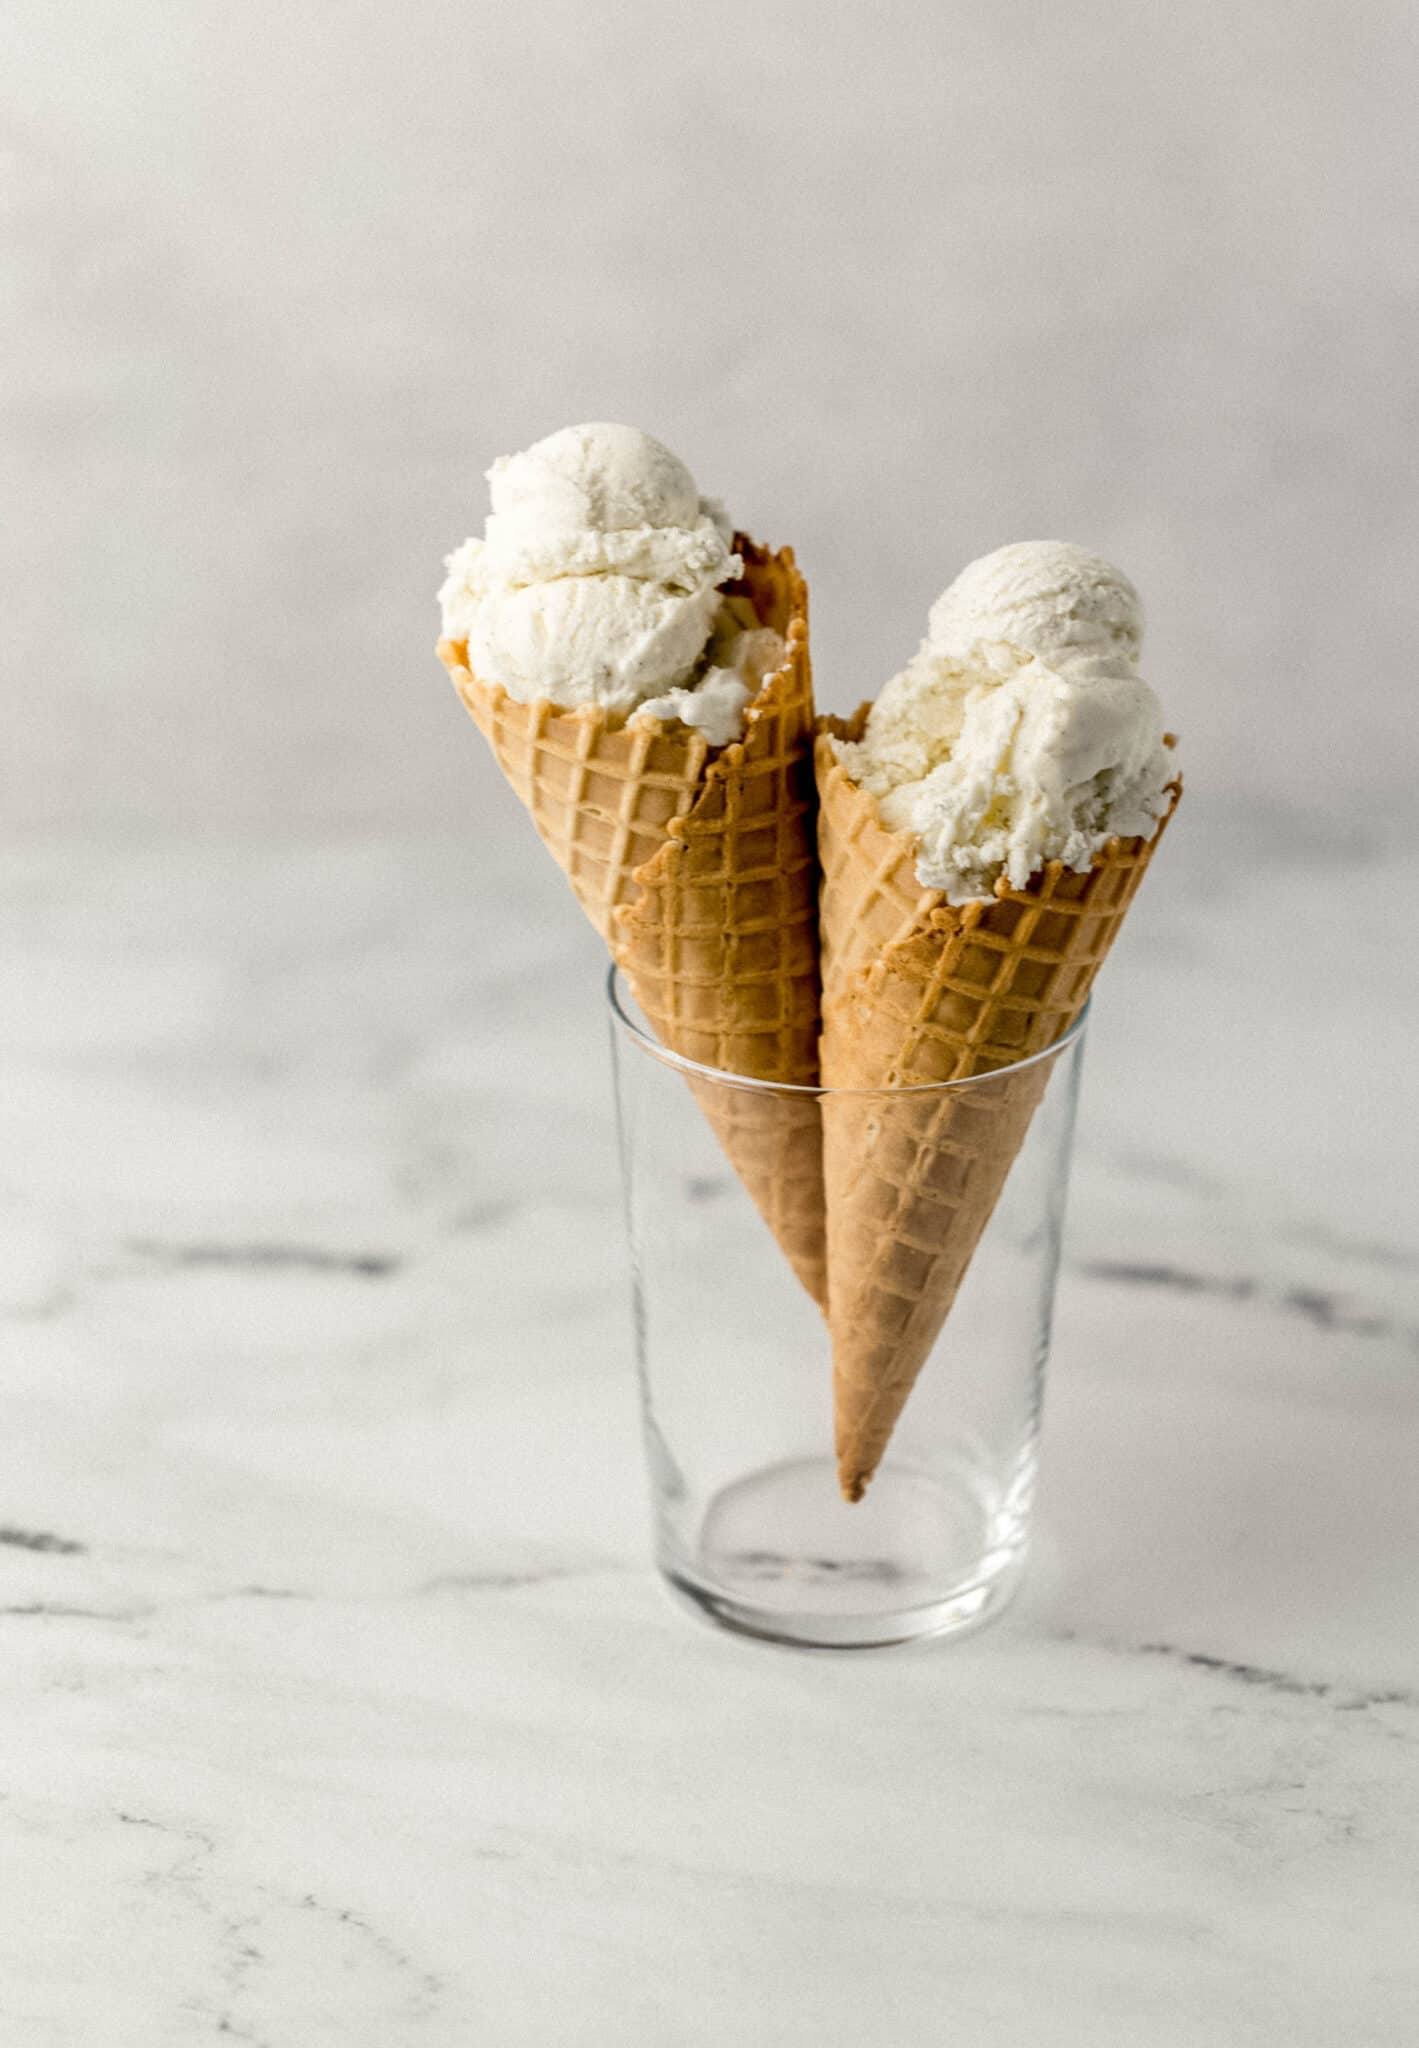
[[918, 992], [698, 869]]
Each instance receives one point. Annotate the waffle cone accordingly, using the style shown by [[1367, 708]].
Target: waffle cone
[[698, 869], [916, 991]]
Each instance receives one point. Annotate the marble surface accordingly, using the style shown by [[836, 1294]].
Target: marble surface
[[337, 1700]]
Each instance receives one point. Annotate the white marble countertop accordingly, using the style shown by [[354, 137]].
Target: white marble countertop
[[339, 1701]]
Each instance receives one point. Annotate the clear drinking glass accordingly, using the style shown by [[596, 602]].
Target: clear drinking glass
[[736, 1363]]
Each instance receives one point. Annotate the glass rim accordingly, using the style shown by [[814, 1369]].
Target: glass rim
[[617, 989]]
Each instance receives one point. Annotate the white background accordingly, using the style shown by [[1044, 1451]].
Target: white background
[[901, 282]]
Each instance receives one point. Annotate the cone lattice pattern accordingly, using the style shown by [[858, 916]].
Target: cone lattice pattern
[[601, 796], [916, 992], [719, 937], [699, 870]]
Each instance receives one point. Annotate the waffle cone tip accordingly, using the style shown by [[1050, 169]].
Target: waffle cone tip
[[852, 1480]]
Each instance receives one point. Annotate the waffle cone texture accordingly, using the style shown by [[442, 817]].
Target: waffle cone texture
[[915, 992], [698, 868]]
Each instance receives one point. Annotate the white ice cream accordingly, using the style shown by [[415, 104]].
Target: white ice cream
[[1021, 731], [598, 581]]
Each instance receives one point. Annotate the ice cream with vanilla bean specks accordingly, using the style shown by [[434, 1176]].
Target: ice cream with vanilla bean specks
[[1021, 731], [600, 580]]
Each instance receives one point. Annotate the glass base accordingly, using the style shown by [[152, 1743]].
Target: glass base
[[783, 1558]]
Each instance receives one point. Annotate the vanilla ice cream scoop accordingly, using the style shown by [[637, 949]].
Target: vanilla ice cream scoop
[[602, 479], [1045, 598], [598, 580], [1021, 731]]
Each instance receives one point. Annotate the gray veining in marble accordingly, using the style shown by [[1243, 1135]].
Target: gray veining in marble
[[338, 1701]]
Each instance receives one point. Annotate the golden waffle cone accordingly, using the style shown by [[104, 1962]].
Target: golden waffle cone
[[917, 992], [698, 869]]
